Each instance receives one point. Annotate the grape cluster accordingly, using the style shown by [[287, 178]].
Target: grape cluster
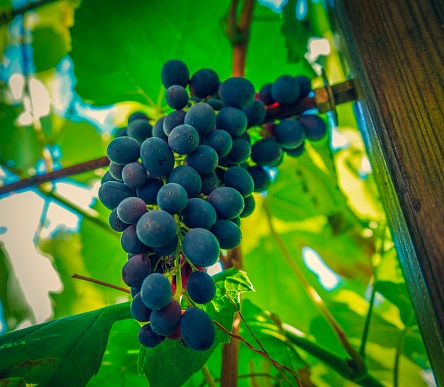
[[177, 190]]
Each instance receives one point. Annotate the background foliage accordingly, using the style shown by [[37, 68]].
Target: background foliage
[[70, 75]]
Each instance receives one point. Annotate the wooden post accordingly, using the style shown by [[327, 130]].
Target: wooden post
[[394, 49]]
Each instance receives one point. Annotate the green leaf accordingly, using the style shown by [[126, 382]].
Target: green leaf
[[65, 352], [15, 307], [47, 56], [171, 363], [13, 382]]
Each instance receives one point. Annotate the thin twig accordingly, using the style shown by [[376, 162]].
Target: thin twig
[[208, 377], [108, 285]]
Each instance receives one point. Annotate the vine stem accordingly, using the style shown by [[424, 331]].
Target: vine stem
[[207, 375], [357, 362], [98, 282]]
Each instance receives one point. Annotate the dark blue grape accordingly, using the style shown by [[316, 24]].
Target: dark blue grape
[[172, 120], [260, 177], [131, 209], [121, 132], [265, 94], [304, 85], [201, 247], [167, 249], [296, 152], [134, 175], [137, 116], [116, 171], [112, 193], [156, 228], [134, 291], [204, 159], [215, 103], [220, 141], [115, 222], [174, 72], [158, 129], [183, 139], [197, 329], [266, 152], [285, 90], [130, 242], [199, 214], [314, 127], [188, 178], [239, 153], [157, 157], [239, 179], [156, 291], [203, 83], [149, 338], [148, 191], [201, 287], [227, 202], [289, 134], [140, 130], [136, 269], [172, 198], [139, 310], [250, 205], [236, 92], [123, 150], [227, 233], [107, 177], [165, 321], [209, 183], [176, 97], [236, 220], [255, 113], [232, 120], [201, 117]]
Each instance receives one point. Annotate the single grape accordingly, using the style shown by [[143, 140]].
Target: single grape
[[158, 129], [237, 220], [266, 152], [239, 179], [174, 72], [201, 287], [176, 97], [255, 113], [227, 202], [197, 329], [199, 214], [314, 127], [157, 157], [123, 150], [220, 141], [156, 228], [131, 209], [289, 134], [239, 153], [204, 159], [172, 198], [140, 129], [115, 222], [137, 116], [296, 152], [156, 291], [201, 117], [285, 90], [116, 171], [203, 83], [121, 132], [201, 247], [265, 94], [165, 321], [236, 92], [112, 193], [250, 205], [136, 269], [107, 177], [188, 178], [232, 120], [134, 175], [260, 178], [130, 241], [183, 139], [209, 183], [215, 103], [139, 310], [149, 338], [167, 249], [172, 120], [148, 191], [227, 233], [304, 85]]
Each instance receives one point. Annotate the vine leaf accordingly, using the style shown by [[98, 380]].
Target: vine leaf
[[65, 352], [171, 363]]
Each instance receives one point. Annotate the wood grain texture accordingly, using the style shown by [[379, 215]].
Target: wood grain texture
[[394, 49]]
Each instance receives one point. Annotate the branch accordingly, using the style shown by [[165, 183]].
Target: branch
[[9, 14], [98, 282]]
